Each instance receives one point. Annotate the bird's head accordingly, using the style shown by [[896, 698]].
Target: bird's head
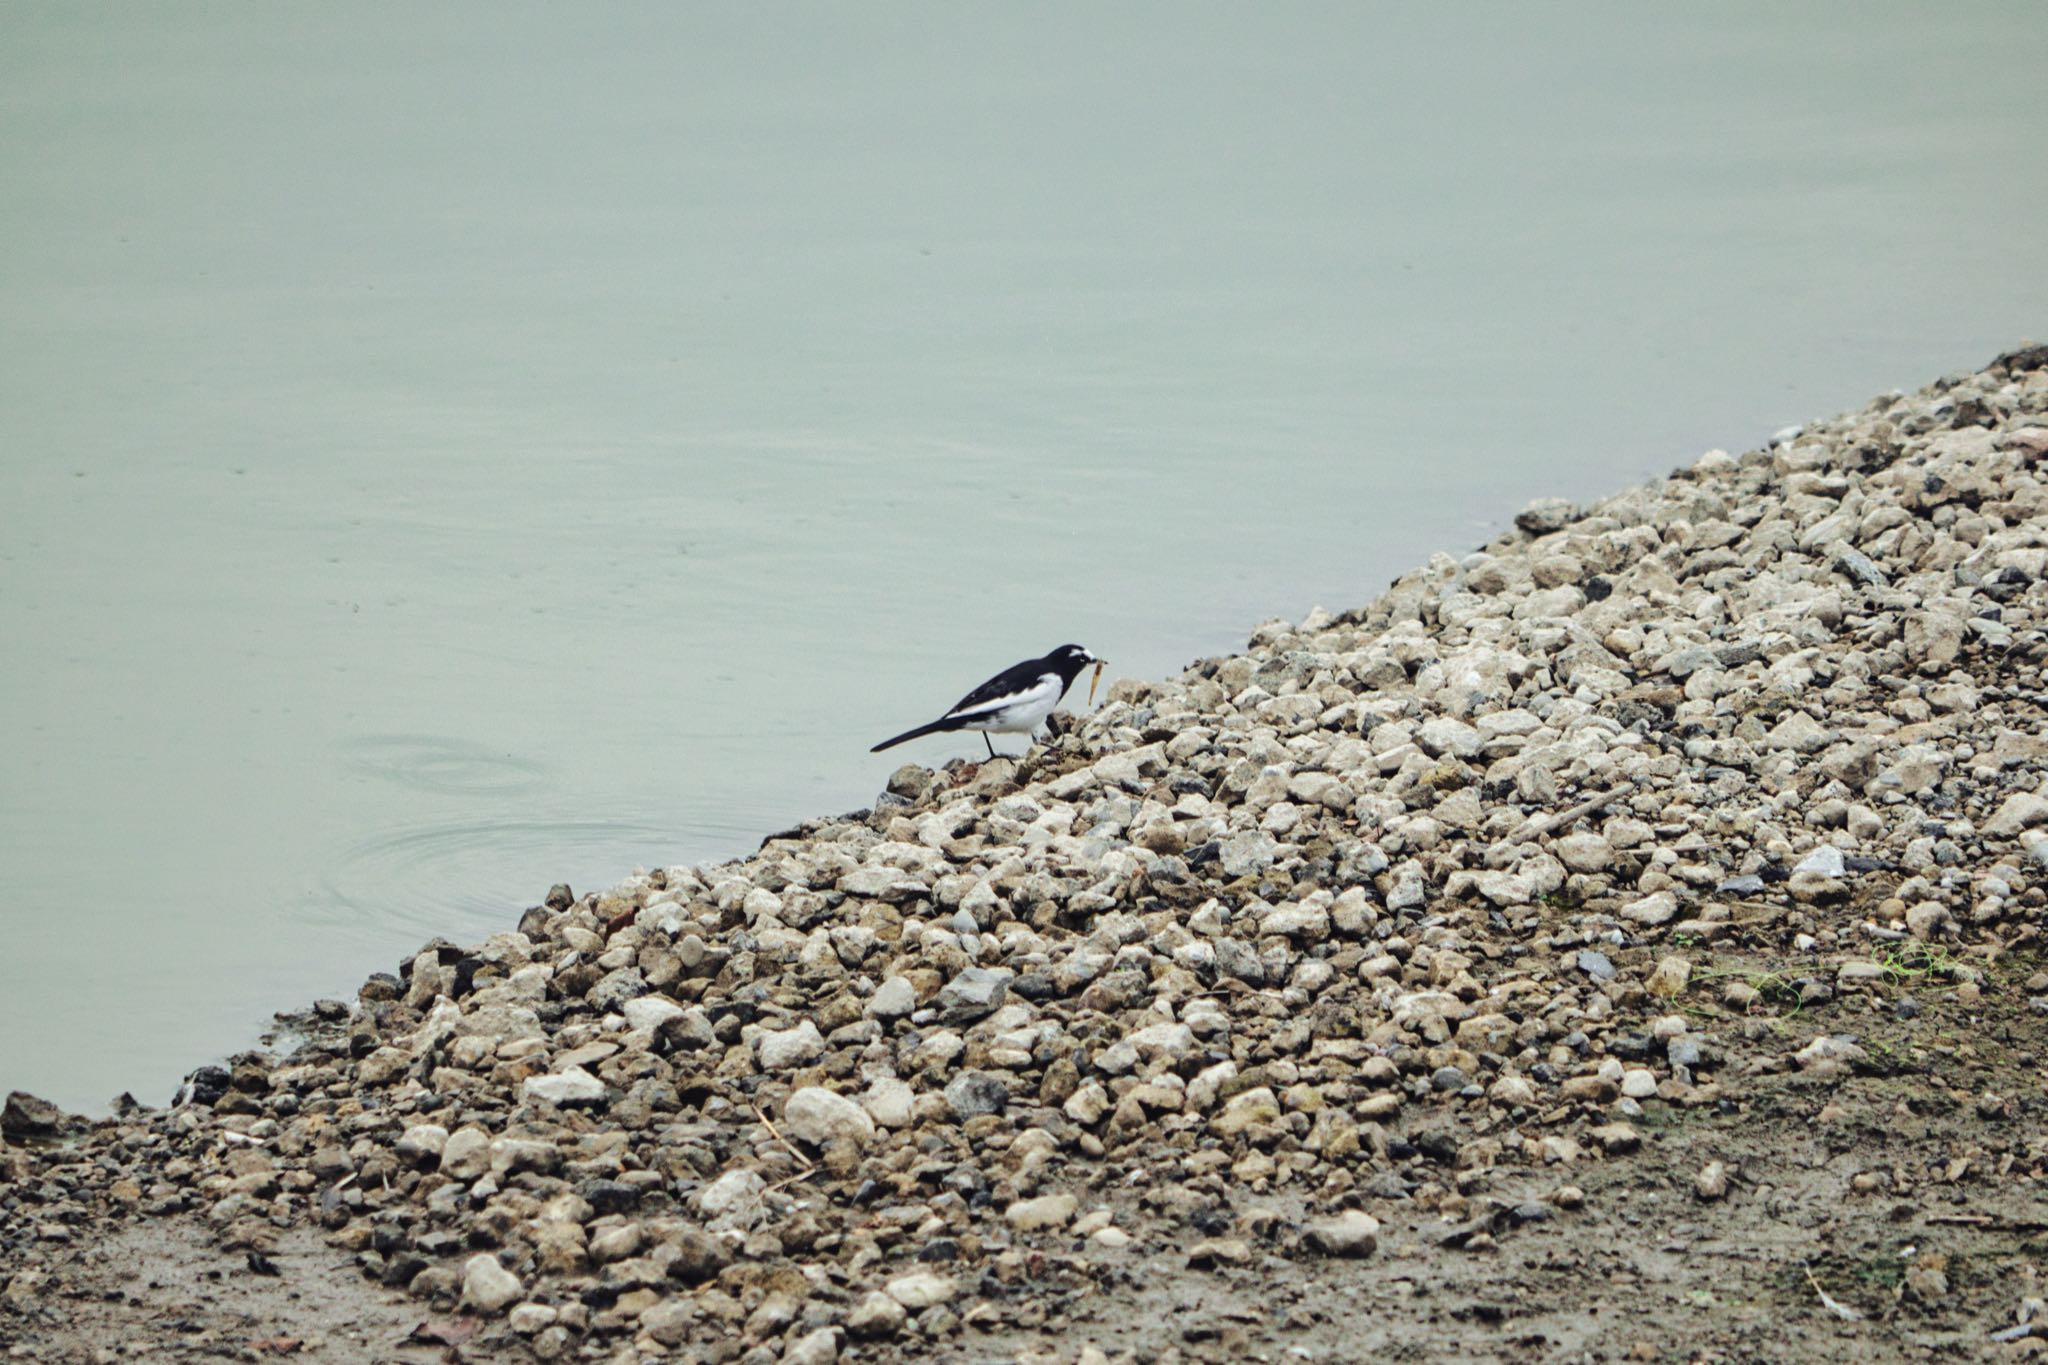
[[1069, 660]]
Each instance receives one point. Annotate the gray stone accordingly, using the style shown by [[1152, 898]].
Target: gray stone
[[734, 1195], [2022, 810], [1828, 1056], [615, 988], [1825, 861], [876, 1318], [974, 1093], [1659, 907], [973, 994], [1545, 515], [893, 999]]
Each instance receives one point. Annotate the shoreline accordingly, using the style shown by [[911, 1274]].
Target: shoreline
[[1471, 972]]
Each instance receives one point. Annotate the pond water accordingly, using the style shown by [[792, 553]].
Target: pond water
[[448, 451]]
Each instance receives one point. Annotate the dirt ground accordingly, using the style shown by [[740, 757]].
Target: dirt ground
[[1895, 1213]]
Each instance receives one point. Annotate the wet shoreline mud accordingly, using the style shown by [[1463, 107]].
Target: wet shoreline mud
[[1620, 942]]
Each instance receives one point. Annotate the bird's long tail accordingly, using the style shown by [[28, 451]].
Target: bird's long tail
[[931, 729]]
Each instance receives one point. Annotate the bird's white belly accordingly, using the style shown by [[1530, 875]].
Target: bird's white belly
[[1015, 721], [1013, 715]]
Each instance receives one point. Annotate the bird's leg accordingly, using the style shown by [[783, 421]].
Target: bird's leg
[[991, 743]]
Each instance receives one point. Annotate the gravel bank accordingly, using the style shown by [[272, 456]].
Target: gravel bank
[[1622, 941]]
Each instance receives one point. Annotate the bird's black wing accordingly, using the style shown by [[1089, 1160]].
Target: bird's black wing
[[1008, 683]]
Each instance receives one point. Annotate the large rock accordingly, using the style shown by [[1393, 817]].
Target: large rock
[[573, 1086], [922, 1289], [974, 1093], [787, 1049], [26, 1115], [734, 1195], [893, 999], [817, 1116], [1352, 1233], [1046, 1211], [975, 992], [487, 1286]]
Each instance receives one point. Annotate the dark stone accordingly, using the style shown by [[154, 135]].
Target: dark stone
[[699, 1256], [1239, 959], [1034, 986], [614, 989], [559, 897], [26, 1115], [609, 1196], [1438, 1145], [1388, 1185], [976, 992], [440, 951], [205, 1086], [401, 1270], [974, 1093], [380, 986]]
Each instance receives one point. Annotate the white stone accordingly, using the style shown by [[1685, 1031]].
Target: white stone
[[787, 1049], [574, 1086], [1046, 1211], [732, 1194], [889, 1101], [893, 999], [922, 1289], [487, 1286], [651, 1012], [818, 1116]]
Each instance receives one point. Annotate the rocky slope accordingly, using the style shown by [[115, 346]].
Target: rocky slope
[[1639, 915]]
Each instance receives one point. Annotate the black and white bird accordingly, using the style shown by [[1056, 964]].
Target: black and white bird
[[1013, 702]]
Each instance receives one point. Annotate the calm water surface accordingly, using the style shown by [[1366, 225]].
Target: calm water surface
[[443, 452]]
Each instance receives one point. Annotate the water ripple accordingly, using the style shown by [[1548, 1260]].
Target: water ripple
[[436, 763], [467, 879]]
